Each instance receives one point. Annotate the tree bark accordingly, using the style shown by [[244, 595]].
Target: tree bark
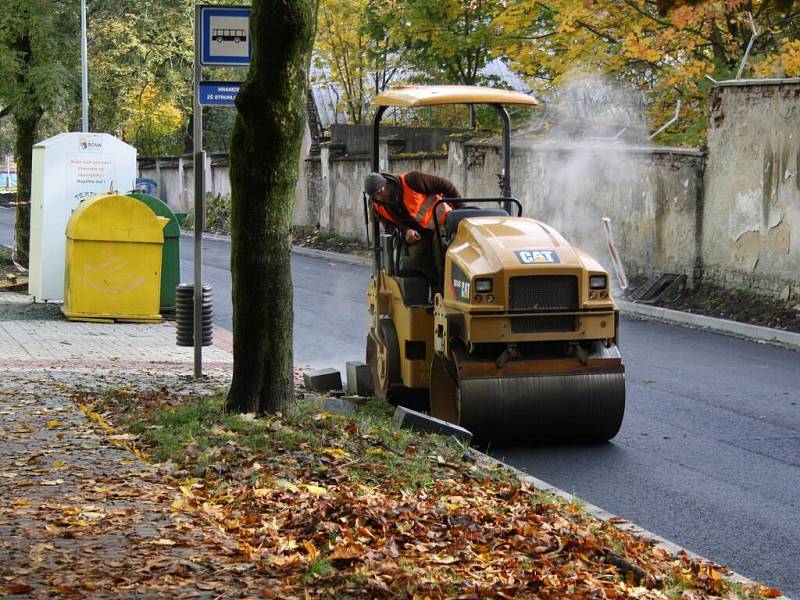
[[265, 151], [25, 139], [718, 47], [26, 120]]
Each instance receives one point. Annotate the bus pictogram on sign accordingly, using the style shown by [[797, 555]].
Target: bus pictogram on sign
[[230, 35]]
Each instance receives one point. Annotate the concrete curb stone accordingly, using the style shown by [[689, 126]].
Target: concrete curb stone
[[786, 339], [340, 406], [350, 259], [322, 380], [405, 418], [218, 237], [359, 378]]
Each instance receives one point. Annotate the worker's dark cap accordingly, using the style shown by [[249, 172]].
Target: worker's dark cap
[[373, 182]]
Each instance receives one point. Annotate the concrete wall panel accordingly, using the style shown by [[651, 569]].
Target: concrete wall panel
[[751, 217]]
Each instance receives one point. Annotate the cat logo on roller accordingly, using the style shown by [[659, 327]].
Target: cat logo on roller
[[537, 257], [461, 284]]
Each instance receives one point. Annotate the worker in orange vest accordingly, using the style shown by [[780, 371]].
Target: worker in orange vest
[[405, 203]]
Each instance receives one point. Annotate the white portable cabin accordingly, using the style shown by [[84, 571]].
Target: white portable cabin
[[68, 168]]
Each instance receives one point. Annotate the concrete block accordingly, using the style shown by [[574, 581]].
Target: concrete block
[[411, 419], [322, 380], [359, 379], [340, 406], [357, 400]]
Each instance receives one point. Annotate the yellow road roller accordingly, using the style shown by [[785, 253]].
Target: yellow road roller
[[520, 341]]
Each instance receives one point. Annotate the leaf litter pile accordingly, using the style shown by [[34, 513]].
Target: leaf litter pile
[[319, 505]]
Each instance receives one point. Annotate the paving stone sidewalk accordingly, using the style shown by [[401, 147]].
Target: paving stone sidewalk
[[79, 515], [37, 335]]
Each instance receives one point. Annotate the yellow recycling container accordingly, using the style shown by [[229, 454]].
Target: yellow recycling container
[[113, 261]]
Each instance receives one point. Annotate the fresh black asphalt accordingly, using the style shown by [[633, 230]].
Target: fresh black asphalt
[[708, 455], [330, 324]]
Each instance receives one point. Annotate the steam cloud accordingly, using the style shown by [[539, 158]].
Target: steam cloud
[[585, 165]]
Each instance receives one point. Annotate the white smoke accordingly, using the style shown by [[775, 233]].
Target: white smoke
[[583, 168]]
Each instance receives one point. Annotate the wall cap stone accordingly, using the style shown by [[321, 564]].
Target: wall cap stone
[[753, 82], [589, 147]]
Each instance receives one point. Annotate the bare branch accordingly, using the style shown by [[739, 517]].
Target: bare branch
[[598, 33]]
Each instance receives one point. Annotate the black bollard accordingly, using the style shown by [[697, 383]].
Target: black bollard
[[184, 315]]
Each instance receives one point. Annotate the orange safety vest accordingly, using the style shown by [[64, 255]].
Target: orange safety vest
[[418, 205]]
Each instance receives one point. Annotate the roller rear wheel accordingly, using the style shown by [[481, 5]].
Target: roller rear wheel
[[383, 359]]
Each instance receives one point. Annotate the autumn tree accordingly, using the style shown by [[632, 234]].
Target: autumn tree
[[35, 72], [155, 123], [363, 45], [353, 53], [666, 55], [140, 66], [447, 41], [264, 165]]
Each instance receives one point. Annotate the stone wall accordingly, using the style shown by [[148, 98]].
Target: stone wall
[[751, 216], [651, 196], [174, 176]]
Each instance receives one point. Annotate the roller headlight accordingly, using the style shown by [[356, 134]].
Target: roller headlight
[[598, 282], [483, 286]]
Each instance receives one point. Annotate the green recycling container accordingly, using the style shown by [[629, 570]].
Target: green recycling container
[[171, 257]]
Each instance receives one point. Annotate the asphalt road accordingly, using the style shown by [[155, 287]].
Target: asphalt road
[[708, 455], [6, 225], [330, 324]]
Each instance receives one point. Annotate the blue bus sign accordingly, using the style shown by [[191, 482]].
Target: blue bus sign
[[218, 93], [225, 36]]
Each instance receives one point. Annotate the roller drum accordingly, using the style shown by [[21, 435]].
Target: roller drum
[[575, 407]]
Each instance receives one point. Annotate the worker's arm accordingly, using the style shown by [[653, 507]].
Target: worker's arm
[[431, 184], [411, 236], [391, 226]]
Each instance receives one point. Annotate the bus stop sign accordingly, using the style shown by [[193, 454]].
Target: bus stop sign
[[225, 36]]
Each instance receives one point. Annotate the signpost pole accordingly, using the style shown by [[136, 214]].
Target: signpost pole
[[199, 198], [229, 28]]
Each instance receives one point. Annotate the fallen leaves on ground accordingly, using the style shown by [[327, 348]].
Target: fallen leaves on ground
[[315, 505]]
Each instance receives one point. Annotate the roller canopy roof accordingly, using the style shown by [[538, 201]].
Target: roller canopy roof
[[429, 95]]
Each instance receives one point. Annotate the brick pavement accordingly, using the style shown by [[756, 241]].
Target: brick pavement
[[34, 335], [80, 516]]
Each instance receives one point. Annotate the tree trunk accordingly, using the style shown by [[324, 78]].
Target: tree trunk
[[718, 46], [265, 151], [25, 139]]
